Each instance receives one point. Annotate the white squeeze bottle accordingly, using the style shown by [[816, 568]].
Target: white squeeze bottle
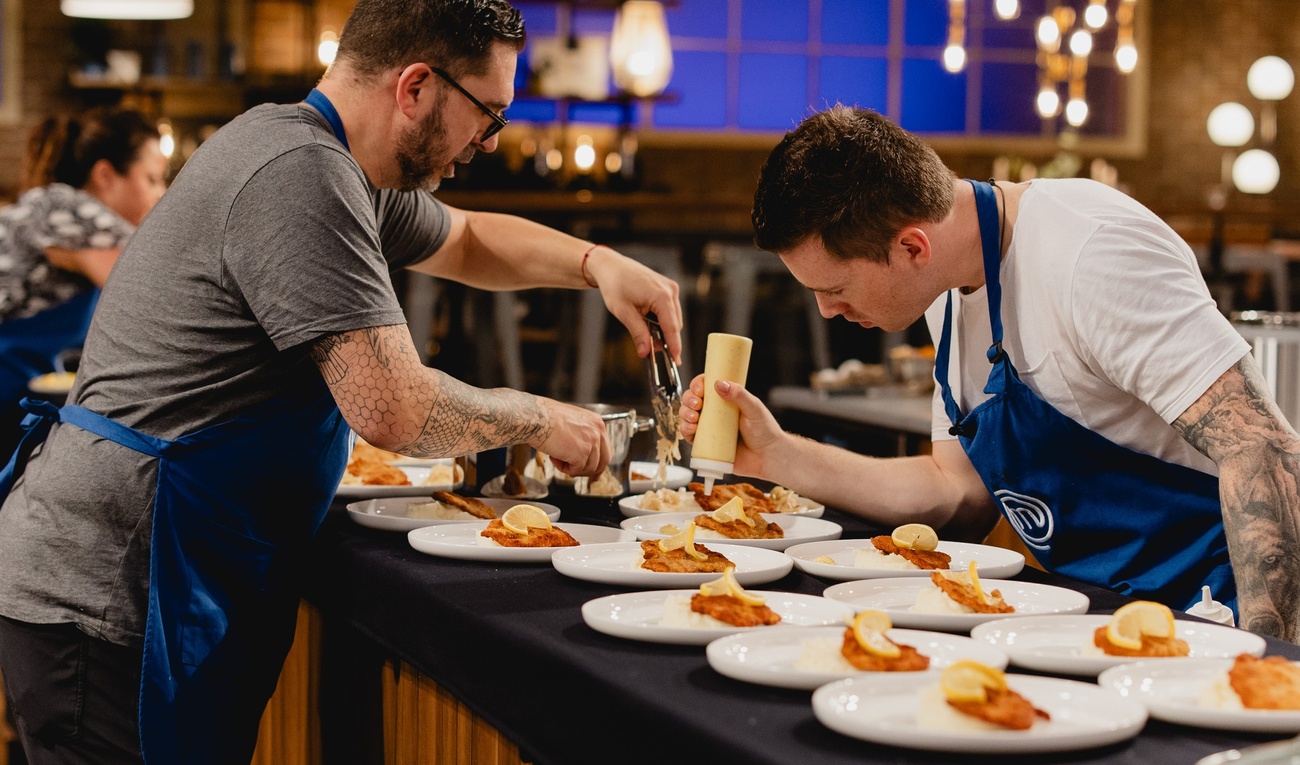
[[714, 451], [1209, 608]]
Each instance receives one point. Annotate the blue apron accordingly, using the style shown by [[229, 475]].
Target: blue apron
[[236, 504], [29, 346], [1086, 506]]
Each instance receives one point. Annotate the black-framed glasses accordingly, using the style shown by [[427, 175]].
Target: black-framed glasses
[[498, 121]]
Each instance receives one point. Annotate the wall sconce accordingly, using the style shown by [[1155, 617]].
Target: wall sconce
[[1231, 125], [128, 9], [640, 53]]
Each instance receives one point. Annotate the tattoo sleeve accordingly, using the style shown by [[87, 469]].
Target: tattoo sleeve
[[389, 397], [1238, 425]]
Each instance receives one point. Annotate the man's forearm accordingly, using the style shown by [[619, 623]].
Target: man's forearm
[[1237, 424]]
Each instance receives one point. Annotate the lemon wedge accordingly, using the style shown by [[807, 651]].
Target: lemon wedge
[[1142, 617], [727, 585], [975, 583], [733, 510], [684, 540], [869, 630], [967, 680], [522, 517], [828, 560], [915, 536]]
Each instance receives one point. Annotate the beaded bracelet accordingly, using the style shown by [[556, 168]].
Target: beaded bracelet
[[586, 278]]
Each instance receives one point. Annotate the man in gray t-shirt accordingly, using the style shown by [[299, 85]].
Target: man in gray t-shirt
[[251, 322]]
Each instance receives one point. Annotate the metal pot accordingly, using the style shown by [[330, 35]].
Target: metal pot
[[621, 423]]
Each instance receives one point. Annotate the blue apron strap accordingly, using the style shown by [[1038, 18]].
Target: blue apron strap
[[941, 366], [41, 416], [321, 103], [113, 431]]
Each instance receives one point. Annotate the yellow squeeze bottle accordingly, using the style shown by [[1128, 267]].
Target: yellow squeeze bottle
[[714, 451]]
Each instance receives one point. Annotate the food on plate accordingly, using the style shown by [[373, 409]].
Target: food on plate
[[370, 472], [667, 500], [1272, 682], [863, 647], [526, 526], [1142, 628], [513, 484], [540, 468], [959, 593], [719, 603], [828, 560], [637, 475], [722, 493], [444, 474], [448, 506], [679, 554], [366, 452], [886, 552], [735, 521], [971, 696]]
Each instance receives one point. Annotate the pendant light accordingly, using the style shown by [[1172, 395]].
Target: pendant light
[[128, 9], [640, 53]]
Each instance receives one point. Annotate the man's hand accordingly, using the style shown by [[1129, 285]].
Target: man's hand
[[631, 290], [759, 430], [576, 440]]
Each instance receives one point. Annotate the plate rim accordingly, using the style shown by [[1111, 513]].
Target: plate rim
[[1243, 720], [960, 622], [402, 523], [856, 573], [695, 636], [641, 578], [495, 554]]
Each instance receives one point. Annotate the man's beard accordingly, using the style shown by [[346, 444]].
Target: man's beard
[[419, 151]]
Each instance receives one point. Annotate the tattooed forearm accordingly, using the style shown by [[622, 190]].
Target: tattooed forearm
[[383, 389], [1238, 425]]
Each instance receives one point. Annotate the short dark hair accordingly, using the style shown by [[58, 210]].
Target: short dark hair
[[455, 35], [852, 178], [63, 149]]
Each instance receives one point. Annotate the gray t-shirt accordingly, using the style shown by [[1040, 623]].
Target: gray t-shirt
[[270, 238]]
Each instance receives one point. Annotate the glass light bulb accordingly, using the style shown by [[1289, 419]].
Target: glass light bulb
[[1255, 172], [954, 58], [1126, 57], [1048, 102], [1048, 34], [1270, 79], [1230, 124], [1081, 42], [1095, 16], [1076, 111], [1007, 9]]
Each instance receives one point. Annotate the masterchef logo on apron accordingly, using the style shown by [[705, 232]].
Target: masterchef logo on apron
[[1029, 516]]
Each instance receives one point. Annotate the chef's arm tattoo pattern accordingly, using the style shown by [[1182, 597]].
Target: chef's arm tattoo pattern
[[1238, 425], [382, 387]]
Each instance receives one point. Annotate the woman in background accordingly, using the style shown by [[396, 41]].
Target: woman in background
[[87, 183]]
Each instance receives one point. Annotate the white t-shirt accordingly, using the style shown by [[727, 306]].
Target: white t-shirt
[[1105, 315]]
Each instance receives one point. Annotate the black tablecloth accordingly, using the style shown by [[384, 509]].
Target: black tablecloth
[[509, 641]]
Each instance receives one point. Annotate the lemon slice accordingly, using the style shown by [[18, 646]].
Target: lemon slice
[[828, 560], [1142, 617], [684, 540], [915, 536], [967, 680], [521, 517], [869, 630], [733, 510], [669, 529], [727, 585], [975, 583]]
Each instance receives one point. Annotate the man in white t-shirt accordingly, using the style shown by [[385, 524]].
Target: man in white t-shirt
[[1089, 390]]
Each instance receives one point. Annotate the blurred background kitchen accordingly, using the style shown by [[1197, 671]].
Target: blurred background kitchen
[[643, 125]]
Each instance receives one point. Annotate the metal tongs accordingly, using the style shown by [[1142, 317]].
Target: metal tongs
[[665, 383]]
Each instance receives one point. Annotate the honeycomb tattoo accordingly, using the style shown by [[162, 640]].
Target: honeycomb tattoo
[[379, 382]]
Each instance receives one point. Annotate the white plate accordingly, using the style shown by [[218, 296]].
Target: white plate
[[533, 489], [896, 596], [1056, 643], [631, 507], [389, 514], [618, 564], [460, 540], [416, 475], [770, 657], [795, 528], [883, 708], [993, 562], [678, 476], [636, 615], [1170, 689]]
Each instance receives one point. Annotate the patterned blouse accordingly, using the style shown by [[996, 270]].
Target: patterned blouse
[[56, 215]]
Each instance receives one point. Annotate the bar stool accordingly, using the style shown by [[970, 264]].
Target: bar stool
[[740, 266]]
